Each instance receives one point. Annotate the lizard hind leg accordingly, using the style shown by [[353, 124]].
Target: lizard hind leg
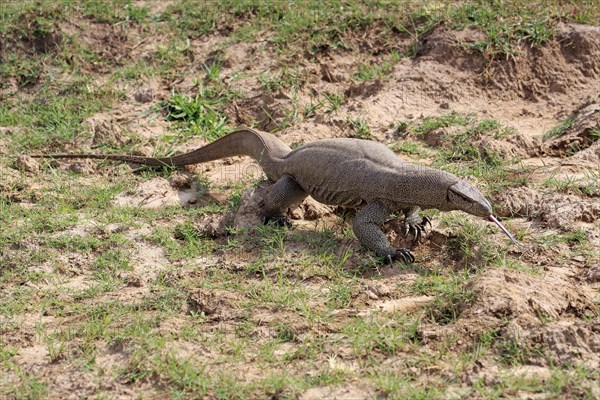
[[285, 193], [367, 229]]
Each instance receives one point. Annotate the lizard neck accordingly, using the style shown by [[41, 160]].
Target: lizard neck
[[415, 185]]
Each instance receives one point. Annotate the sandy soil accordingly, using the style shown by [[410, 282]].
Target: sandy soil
[[554, 311]]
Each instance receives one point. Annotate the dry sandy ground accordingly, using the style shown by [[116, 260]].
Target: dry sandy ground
[[554, 310]]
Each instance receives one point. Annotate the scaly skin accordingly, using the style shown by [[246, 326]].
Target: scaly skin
[[345, 172]]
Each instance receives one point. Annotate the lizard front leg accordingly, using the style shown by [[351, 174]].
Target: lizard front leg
[[413, 223], [367, 229], [286, 192]]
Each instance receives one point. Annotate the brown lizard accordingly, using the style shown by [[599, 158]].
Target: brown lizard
[[346, 172]]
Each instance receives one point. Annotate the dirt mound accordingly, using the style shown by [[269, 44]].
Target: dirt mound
[[551, 314], [514, 146], [536, 87], [34, 35], [580, 46], [557, 210], [543, 311], [526, 299], [582, 131], [561, 66], [566, 64], [517, 145], [568, 343], [451, 47], [41, 34]]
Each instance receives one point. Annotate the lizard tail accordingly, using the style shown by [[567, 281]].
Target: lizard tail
[[263, 147]]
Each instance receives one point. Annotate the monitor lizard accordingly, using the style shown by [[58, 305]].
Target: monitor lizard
[[347, 172]]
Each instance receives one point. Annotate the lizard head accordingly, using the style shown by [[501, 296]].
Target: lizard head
[[464, 197]]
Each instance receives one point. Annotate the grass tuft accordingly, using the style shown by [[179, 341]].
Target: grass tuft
[[559, 129]]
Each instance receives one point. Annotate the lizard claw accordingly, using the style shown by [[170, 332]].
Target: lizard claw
[[418, 230], [417, 233], [426, 220], [406, 230], [404, 254]]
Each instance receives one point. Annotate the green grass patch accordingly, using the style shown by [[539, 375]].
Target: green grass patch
[[197, 115], [589, 186], [183, 243], [28, 386], [201, 114], [334, 101], [386, 336], [399, 385], [56, 114], [559, 129], [287, 78], [359, 128], [429, 124], [311, 27], [450, 295], [575, 380], [462, 149]]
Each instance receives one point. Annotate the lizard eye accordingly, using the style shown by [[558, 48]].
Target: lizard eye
[[465, 198], [459, 195]]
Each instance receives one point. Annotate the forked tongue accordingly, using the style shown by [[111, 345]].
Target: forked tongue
[[494, 220]]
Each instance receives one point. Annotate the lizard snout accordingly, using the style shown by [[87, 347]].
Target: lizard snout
[[463, 196]]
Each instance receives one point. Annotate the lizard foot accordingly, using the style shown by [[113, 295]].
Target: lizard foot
[[418, 229], [278, 220], [403, 254]]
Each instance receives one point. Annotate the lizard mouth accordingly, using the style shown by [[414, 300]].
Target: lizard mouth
[[512, 238]]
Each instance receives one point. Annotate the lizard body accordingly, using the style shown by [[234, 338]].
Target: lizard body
[[346, 172]]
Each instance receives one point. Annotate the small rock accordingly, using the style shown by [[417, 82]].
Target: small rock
[[593, 274], [372, 293], [314, 210], [28, 164], [115, 228], [249, 213], [106, 131], [429, 335], [82, 167], [212, 225], [180, 181], [514, 332], [144, 95], [297, 213]]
